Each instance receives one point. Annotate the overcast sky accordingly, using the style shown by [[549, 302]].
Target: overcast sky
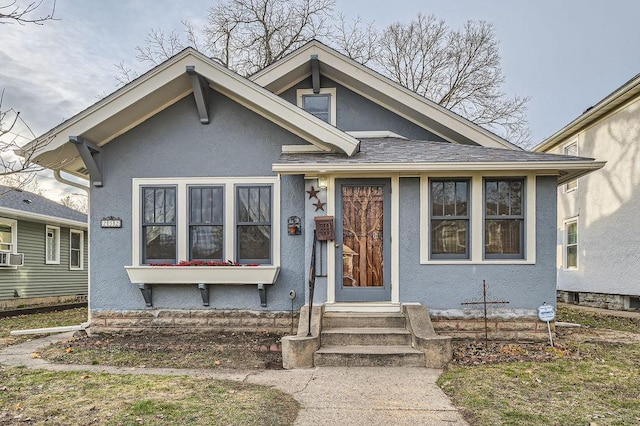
[[565, 55]]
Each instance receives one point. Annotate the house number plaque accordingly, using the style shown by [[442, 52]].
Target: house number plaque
[[111, 222]]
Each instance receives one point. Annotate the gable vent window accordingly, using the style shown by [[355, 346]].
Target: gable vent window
[[321, 105]]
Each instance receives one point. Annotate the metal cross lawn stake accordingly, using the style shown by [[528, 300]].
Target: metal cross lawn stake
[[484, 302]]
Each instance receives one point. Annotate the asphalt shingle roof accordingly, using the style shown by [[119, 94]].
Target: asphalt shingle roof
[[403, 151], [16, 199]]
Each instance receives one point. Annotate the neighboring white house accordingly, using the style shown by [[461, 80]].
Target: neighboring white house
[[598, 214]]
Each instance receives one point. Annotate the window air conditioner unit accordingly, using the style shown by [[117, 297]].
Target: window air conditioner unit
[[11, 259]]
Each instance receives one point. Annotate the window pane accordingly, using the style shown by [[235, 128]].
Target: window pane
[[572, 256], [206, 205], [449, 198], [75, 241], [449, 237], [461, 199], [206, 242], [170, 205], [572, 233], [196, 205], [265, 204], [503, 237], [243, 205], [437, 198], [316, 103], [491, 195], [516, 197], [149, 202], [75, 258], [254, 243], [160, 244]]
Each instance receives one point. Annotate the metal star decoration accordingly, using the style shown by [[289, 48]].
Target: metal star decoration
[[319, 205], [313, 193]]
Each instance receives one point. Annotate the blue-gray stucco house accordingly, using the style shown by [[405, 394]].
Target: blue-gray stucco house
[[202, 166]]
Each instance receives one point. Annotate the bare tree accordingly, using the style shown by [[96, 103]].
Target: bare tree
[[358, 40], [11, 140], [459, 70], [243, 35], [14, 170], [76, 201], [13, 12]]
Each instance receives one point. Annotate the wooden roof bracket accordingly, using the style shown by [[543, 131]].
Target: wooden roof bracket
[[200, 93], [315, 74], [91, 157]]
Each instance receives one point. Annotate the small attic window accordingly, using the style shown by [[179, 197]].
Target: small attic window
[[322, 104], [26, 200]]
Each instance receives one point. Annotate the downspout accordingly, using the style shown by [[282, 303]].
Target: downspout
[[59, 178]]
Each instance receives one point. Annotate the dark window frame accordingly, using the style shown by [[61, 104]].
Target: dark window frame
[[238, 224], [450, 217], [193, 223], [510, 216], [144, 224]]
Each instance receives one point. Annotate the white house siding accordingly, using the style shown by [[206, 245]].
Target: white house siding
[[607, 207]]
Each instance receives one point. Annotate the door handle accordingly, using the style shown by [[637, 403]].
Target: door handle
[[337, 245]]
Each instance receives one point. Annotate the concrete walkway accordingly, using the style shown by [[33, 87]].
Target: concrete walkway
[[329, 395]]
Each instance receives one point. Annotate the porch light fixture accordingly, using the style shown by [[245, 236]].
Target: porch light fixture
[[323, 181]]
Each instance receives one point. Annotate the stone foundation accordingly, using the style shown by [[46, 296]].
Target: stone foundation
[[616, 302], [528, 329], [193, 321]]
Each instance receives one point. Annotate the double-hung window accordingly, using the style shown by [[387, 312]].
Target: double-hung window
[[76, 248], [253, 221], [206, 223], [449, 223], [159, 225], [504, 218], [571, 244], [207, 219], [52, 245]]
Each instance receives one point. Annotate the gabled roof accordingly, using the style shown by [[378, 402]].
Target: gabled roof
[[611, 102], [19, 204], [163, 86], [411, 156], [295, 67]]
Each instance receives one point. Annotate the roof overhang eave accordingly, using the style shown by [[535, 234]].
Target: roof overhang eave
[[566, 170]]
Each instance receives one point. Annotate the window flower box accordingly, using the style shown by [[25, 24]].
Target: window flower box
[[176, 274]]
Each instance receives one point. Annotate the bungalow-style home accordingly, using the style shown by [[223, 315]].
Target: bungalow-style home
[[598, 228], [413, 207], [43, 251]]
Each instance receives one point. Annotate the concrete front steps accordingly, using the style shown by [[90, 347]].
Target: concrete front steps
[[355, 339]]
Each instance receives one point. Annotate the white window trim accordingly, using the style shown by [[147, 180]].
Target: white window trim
[[565, 239], [56, 231], [476, 220], [14, 233], [81, 233], [565, 187], [323, 91], [182, 207]]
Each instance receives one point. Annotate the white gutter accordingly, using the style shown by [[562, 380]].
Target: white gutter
[[59, 178]]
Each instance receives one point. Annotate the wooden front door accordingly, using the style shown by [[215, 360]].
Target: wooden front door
[[362, 240]]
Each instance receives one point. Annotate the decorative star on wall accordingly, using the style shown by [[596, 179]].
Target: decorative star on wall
[[319, 205], [313, 193]]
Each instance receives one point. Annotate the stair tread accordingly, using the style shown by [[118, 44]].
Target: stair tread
[[371, 349], [365, 330], [364, 314]]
